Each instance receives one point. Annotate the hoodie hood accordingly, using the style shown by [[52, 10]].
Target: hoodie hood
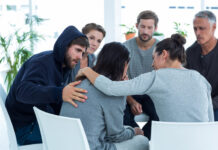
[[66, 37]]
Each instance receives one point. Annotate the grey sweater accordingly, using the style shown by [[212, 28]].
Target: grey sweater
[[102, 118], [141, 60], [179, 95]]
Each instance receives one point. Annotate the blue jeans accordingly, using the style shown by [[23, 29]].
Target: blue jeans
[[216, 115], [29, 134]]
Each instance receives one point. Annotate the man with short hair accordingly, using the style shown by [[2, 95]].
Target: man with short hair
[[141, 49], [40, 83], [203, 54]]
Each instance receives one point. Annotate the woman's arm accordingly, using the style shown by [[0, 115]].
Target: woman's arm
[[137, 86], [89, 73]]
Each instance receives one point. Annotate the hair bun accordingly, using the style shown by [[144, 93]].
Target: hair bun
[[178, 39]]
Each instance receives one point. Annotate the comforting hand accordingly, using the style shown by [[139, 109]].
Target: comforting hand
[[80, 75], [125, 77], [71, 93], [136, 108], [138, 131]]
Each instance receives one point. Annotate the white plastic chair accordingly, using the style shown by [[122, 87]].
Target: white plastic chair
[[3, 93], [60, 132], [8, 139], [184, 136]]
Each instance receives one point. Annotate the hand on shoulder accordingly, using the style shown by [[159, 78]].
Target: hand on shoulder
[[71, 93]]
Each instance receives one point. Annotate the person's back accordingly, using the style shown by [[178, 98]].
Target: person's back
[[179, 95], [98, 114], [183, 98], [102, 115]]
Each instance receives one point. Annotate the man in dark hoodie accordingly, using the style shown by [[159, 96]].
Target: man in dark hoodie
[[40, 83]]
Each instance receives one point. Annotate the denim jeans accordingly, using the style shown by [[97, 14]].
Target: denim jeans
[[148, 108], [29, 134]]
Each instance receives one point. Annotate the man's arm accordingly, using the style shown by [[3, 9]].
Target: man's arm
[[34, 87], [70, 92]]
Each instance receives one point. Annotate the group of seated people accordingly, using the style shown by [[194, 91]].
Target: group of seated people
[[69, 81]]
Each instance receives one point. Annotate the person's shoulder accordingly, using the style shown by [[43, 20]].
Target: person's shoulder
[[129, 42], [195, 74], [42, 56], [195, 46], [101, 98], [171, 71], [91, 58], [199, 77], [41, 59], [86, 84]]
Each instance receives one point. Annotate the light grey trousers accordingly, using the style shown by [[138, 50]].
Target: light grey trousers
[[138, 142]]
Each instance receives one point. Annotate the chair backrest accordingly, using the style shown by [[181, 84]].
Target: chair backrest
[[184, 136], [7, 134], [60, 132], [3, 94]]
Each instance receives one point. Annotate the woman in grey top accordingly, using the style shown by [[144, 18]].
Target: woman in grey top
[[179, 94], [102, 115]]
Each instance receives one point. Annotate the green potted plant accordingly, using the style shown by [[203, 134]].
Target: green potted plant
[[130, 32], [181, 28], [17, 48], [158, 35]]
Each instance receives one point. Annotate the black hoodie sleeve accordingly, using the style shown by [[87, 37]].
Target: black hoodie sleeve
[[34, 87]]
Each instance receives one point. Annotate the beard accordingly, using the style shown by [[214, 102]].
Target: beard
[[149, 37], [68, 62]]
